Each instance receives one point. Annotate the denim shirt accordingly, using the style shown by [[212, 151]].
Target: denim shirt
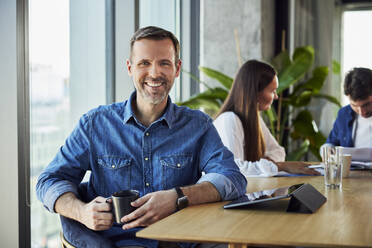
[[342, 131], [121, 153]]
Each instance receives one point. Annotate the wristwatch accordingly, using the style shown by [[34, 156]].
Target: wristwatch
[[182, 200]]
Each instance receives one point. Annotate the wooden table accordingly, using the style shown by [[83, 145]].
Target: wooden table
[[345, 220]]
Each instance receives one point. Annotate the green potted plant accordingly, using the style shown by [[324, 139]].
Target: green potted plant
[[294, 104]]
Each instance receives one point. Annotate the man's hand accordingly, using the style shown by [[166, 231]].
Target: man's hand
[[151, 208], [96, 215], [296, 167]]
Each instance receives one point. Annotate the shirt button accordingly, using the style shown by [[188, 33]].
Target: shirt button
[[147, 134], [113, 166], [147, 184], [178, 165], [146, 158]]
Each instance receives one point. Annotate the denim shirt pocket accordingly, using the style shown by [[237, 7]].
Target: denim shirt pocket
[[115, 172], [176, 170], [114, 163]]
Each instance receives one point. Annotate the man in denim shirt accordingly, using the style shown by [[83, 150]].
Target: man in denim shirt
[[146, 143], [353, 126]]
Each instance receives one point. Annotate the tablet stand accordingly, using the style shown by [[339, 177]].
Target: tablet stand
[[306, 199]]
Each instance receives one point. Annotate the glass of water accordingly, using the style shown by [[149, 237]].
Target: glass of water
[[332, 167]]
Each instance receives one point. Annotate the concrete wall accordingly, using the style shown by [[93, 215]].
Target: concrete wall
[[8, 130], [268, 29], [254, 22]]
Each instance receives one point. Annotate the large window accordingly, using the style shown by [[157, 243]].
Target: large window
[[50, 102], [164, 14], [72, 50], [357, 40], [67, 77]]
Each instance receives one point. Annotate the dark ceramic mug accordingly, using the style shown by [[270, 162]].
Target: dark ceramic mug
[[121, 203]]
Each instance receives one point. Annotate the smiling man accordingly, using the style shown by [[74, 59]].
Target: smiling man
[[353, 126], [172, 155]]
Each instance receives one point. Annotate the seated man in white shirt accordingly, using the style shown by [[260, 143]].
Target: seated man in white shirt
[[353, 126]]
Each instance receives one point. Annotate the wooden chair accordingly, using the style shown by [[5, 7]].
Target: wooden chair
[[64, 242]]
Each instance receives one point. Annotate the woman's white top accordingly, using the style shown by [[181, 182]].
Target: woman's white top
[[231, 131]]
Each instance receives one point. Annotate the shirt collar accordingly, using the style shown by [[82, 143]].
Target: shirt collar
[[351, 113], [349, 110], [168, 115], [128, 112]]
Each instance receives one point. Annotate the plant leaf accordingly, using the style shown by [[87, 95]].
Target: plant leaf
[[200, 102], [297, 154], [318, 140], [336, 68], [303, 58], [328, 98], [281, 61], [196, 79], [302, 100], [216, 96], [214, 93], [316, 82], [225, 80], [270, 113], [305, 128], [303, 124]]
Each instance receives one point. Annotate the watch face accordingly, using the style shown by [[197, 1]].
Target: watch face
[[182, 202]]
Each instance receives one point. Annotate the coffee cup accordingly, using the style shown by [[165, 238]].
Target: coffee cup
[[345, 159], [121, 203]]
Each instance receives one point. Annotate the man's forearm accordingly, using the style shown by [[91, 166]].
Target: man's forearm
[[69, 206], [201, 193], [95, 215]]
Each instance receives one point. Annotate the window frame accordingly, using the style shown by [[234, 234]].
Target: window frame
[[23, 113], [116, 79]]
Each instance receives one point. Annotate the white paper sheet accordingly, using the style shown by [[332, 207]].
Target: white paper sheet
[[363, 154]]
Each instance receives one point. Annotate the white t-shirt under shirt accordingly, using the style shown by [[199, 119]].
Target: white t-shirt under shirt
[[363, 133], [231, 131]]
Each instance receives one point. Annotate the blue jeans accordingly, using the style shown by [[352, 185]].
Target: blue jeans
[[78, 234]]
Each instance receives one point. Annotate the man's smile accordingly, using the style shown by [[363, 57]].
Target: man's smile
[[153, 84]]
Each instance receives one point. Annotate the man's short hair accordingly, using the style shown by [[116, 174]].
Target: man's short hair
[[155, 33], [358, 84]]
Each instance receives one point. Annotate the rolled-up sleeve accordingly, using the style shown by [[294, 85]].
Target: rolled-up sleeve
[[225, 187], [55, 191], [67, 169]]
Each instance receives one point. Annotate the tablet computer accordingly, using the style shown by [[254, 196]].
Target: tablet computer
[[264, 196]]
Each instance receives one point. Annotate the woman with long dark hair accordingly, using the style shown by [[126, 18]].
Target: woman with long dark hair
[[242, 129]]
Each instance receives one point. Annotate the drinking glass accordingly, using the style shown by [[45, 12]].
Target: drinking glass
[[332, 167]]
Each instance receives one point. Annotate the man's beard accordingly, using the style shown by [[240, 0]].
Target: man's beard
[[158, 98], [154, 100]]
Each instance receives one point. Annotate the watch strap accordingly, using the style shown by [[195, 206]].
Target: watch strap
[[182, 200], [179, 192]]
